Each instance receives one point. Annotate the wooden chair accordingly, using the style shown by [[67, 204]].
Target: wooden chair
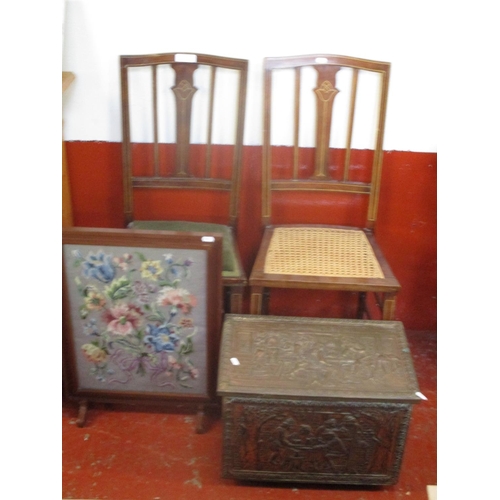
[[309, 254], [183, 118]]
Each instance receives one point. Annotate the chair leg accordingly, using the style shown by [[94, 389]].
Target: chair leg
[[256, 299], [361, 305], [201, 420], [389, 309], [82, 413], [236, 299]]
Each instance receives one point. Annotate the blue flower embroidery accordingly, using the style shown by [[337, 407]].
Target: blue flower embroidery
[[99, 266], [161, 338], [91, 328]]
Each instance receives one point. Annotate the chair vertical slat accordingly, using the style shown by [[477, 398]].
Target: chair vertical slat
[[155, 122], [127, 161], [210, 122], [238, 149], [352, 106], [296, 125], [377, 159], [266, 151]]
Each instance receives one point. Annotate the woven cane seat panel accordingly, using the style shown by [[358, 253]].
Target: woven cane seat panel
[[328, 252]]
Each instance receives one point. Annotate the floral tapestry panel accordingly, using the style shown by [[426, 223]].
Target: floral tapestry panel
[[139, 318]]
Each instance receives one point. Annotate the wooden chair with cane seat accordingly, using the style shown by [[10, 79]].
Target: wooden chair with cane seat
[[309, 254], [183, 118]]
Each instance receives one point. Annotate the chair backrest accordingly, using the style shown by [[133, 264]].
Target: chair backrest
[[325, 150], [182, 121]]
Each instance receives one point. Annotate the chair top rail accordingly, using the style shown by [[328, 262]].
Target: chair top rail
[[325, 59], [183, 57]]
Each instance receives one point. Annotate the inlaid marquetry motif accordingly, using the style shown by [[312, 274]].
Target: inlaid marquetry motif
[[184, 90], [326, 92]]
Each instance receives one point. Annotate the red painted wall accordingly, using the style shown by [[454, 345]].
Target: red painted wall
[[406, 227]]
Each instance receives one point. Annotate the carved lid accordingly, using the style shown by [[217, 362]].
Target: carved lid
[[277, 356]]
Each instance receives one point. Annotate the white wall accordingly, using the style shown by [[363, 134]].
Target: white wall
[[96, 32]]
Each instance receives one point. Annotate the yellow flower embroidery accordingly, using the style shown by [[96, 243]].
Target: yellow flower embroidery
[[151, 269], [94, 354], [94, 300]]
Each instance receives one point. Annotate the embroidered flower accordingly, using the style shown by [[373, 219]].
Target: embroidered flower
[[123, 319], [151, 269], [94, 354], [177, 297], [186, 323], [99, 266], [77, 254], [141, 291], [123, 261], [174, 363], [162, 338], [91, 328], [94, 301]]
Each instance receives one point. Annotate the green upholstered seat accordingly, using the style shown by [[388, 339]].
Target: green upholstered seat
[[230, 265]]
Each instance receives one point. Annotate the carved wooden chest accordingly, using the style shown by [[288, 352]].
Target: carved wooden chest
[[315, 400]]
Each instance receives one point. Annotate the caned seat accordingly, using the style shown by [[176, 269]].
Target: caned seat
[[183, 118], [328, 175], [321, 251]]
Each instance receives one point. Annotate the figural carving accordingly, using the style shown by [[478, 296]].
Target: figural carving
[[300, 437]]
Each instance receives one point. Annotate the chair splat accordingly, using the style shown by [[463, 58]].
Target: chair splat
[[325, 96], [184, 91]]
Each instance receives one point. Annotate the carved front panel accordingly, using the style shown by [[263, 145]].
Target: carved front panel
[[288, 440]]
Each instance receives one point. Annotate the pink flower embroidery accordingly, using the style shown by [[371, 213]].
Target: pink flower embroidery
[[123, 262], [173, 363], [123, 319], [177, 297]]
